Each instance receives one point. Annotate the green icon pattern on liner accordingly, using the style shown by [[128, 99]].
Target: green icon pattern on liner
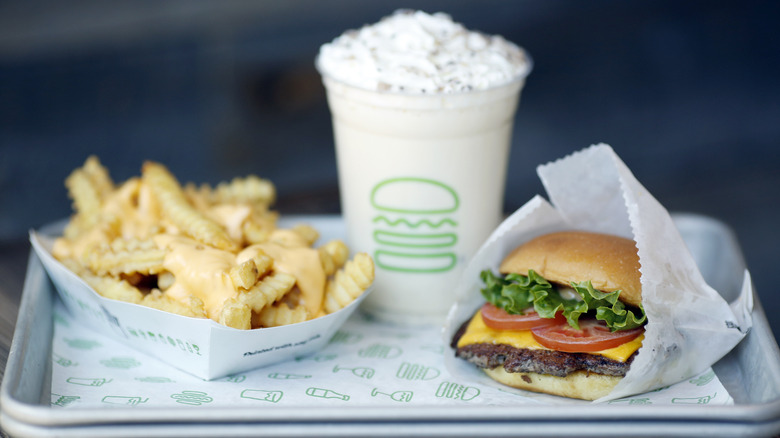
[[154, 379], [414, 234], [318, 357], [62, 361], [123, 400], [235, 378], [120, 362], [414, 371], [703, 379], [456, 391], [326, 393], [632, 401], [362, 372], [85, 381], [262, 395], [398, 396], [59, 319], [82, 344], [192, 398], [694, 400], [380, 351], [63, 400], [341, 337], [288, 376]]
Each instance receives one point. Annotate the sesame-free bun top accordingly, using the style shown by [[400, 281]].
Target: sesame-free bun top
[[610, 262]]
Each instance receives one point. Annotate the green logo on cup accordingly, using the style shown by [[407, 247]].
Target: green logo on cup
[[414, 225]]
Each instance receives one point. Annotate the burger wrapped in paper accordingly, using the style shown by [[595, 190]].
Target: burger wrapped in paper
[[564, 316], [626, 273]]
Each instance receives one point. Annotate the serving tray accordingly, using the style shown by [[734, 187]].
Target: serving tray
[[751, 373]]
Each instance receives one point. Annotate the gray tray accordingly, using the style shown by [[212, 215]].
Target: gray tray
[[751, 373]]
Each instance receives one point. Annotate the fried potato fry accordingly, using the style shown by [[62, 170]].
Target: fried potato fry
[[127, 256], [333, 255], [109, 287], [181, 213], [280, 314], [99, 177], [86, 198], [349, 282], [267, 291], [250, 189], [245, 275], [236, 315], [192, 306], [307, 233]]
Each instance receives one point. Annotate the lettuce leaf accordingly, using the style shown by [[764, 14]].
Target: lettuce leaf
[[514, 293]]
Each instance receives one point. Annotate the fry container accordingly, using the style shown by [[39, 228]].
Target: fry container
[[200, 347], [690, 325]]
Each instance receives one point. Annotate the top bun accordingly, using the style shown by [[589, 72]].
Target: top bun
[[610, 262]]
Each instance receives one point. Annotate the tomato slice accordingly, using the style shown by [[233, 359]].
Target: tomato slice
[[594, 335], [499, 319]]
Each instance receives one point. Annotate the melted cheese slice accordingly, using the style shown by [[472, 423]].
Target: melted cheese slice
[[478, 333]]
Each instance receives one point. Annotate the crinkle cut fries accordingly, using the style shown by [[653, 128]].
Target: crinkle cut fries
[[203, 252]]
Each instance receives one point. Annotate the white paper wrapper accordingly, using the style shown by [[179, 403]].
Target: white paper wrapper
[[198, 346], [690, 326]]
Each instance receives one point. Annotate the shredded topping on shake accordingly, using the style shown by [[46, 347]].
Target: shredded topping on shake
[[416, 52]]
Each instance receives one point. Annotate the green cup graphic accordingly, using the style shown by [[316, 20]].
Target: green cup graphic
[[414, 234], [262, 395], [703, 400], [85, 381], [123, 400]]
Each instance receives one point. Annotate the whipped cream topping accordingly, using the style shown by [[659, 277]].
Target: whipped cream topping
[[416, 52]]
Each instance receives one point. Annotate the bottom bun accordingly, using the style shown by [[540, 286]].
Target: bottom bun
[[579, 384]]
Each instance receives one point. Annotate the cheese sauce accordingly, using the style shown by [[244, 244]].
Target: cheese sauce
[[133, 203], [292, 255], [231, 217], [479, 333], [200, 270]]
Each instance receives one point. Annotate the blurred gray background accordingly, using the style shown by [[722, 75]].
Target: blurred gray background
[[686, 92]]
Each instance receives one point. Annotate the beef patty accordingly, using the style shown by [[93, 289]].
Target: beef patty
[[522, 360]]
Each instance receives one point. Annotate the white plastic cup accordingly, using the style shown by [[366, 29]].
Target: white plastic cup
[[422, 186]]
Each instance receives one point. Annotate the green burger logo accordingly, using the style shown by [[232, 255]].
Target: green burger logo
[[414, 234]]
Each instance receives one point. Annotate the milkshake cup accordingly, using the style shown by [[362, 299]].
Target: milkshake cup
[[421, 178]]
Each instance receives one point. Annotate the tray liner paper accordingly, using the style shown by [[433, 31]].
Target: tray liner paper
[[366, 363], [690, 326]]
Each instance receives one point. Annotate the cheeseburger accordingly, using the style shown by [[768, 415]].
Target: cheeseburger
[[564, 317]]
